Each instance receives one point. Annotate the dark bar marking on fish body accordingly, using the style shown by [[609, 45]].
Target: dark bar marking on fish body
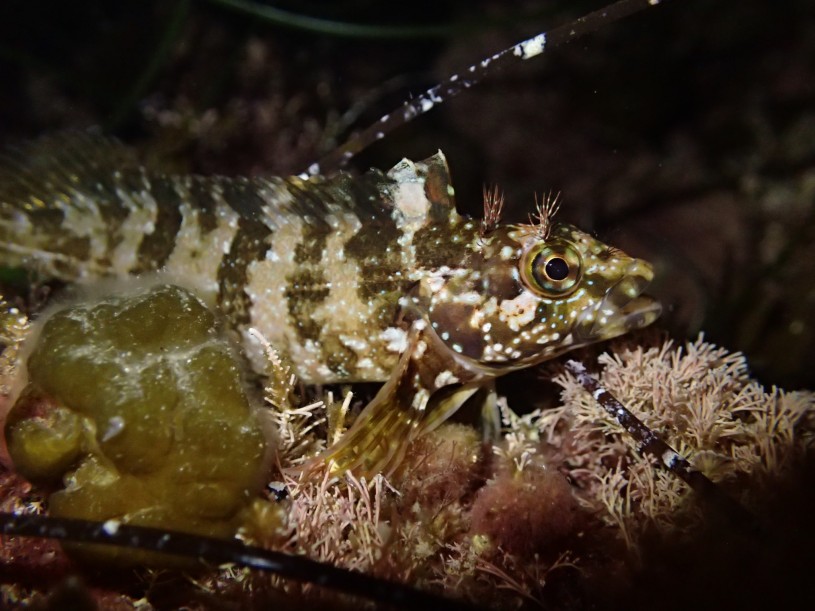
[[305, 291], [375, 248], [312, 245], [248, 245], [202, 197], [156, 247]]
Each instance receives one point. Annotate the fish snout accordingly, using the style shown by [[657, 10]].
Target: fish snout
[[624, 307]]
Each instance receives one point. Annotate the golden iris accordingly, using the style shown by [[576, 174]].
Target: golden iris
[[552, 268]]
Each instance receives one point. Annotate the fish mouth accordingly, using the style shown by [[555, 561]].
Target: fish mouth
[[624, 308]]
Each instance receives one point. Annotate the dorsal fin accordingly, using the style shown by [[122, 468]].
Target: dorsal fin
[[422, 191], [42, 173], [78, 205]]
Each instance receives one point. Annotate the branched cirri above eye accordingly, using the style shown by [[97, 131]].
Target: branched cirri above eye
[[552, 268]]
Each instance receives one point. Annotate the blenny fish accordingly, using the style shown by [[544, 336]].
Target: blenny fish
[[370, 279]]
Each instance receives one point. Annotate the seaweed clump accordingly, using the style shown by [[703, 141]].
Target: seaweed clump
[[135, 410], [701, 400]]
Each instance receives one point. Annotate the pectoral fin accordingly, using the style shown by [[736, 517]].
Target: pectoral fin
[[404, 408]]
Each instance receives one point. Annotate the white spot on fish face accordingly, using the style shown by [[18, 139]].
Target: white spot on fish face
[[490, 307], [395, 338], [468, 298], [520, 311]]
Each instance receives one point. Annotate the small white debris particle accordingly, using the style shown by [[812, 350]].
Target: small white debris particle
[[116, 425], [111, 527]]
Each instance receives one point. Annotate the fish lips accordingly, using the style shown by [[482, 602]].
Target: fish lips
[[623, 308]]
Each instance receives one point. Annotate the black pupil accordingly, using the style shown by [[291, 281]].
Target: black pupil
[[557, 268]]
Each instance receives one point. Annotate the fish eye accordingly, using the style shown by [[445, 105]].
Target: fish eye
[[557, 269], [552, 268]]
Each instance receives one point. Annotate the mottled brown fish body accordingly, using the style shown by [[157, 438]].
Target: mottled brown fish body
[[317, 266], [375, 278]]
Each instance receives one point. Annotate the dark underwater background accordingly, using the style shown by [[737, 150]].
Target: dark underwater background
[[685, 134]]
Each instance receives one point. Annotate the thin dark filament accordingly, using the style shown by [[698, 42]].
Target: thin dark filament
[[219, 551], [473, 75]]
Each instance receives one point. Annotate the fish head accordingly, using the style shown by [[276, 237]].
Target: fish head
[[525, 296]]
